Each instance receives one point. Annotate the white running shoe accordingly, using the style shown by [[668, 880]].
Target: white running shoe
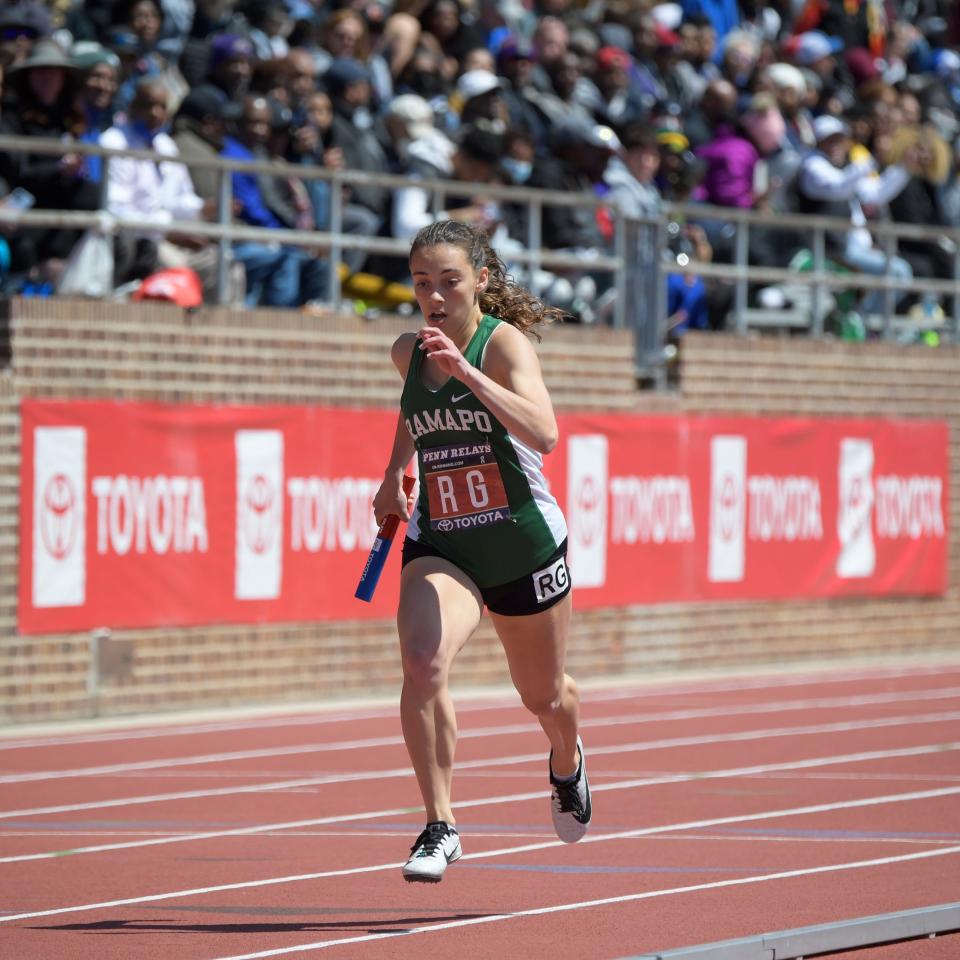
[[570, 801], [437, 845]]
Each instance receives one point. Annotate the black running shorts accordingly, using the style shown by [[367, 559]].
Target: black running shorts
[[529, 594]]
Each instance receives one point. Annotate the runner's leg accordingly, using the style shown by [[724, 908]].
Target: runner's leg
[[439, 609], [536, 647]]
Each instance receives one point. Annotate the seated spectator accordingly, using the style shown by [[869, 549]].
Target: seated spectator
[[154, 194], [551, 40], [696, 68], [352, 130], [730, 159], [423, 75], [656, 48], [581, 151], [475, 158], [278, 275], [920, 201], [480, 98], [621, 101], [231, 65], [309, 141], [451, 31], [829, 185], [100, 73], [211, 19], [741, 51], [570, 96], [346, 36], [631, 177], [515, 60], [788, 85], [778, 162], [140, 23], [302, 75], [269, 24], [199, 129], [44, 87]]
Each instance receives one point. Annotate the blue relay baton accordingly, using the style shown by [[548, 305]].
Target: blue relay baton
[[380, 549]]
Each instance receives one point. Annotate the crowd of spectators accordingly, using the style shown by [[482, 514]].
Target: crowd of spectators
[[843, 107]]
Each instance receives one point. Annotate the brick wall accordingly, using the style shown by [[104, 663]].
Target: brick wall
[[156, 352]]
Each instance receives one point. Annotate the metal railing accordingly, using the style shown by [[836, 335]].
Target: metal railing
[[635, 266]]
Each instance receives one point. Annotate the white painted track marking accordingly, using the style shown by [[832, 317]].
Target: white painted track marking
[[509, 798], [634, 783], [168, 726], [639, 746], [951, 693], [604, 902], [509, 851]]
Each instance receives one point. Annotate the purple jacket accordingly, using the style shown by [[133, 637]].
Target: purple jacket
[[730, 160]]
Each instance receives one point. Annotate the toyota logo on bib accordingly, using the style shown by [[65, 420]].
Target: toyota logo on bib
[[58, 516], [259, 499]]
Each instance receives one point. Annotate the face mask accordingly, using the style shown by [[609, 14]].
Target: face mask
[[518, 170]]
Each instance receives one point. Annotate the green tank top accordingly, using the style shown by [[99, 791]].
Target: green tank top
[[484, 503]]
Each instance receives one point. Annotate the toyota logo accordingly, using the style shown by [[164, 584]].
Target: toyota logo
[[589, 518], [445, 525], [58, 516], [857, 506], [259, 499], [727, 502]]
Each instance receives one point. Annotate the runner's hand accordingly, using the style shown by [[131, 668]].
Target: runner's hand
[[442, 351], [390, 500]]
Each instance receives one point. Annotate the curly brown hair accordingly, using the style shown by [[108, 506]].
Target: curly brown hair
[[504, 297]]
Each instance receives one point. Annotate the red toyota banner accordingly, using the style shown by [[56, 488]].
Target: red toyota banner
[[138, 515]]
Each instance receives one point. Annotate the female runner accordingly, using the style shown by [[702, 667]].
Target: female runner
[[484, 530]]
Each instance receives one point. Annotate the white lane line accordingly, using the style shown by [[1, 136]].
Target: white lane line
[[602, 902], [630, 784], [501, 852], [306, 715], [639, 746], [776, 706]]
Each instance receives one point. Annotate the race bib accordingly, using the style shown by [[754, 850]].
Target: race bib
[[464, 487]]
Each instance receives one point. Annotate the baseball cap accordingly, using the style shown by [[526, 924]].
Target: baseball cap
[[669, 14], [229, 46], [786, 76], [207, 100], [475, 83], [516, 48], [415, 112], [343, 71], [666, 37], [86, 54], [813, 45], [829, 126], [609, 58], [580, 132]]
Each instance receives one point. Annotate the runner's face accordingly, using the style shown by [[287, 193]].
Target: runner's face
[[446, 286]]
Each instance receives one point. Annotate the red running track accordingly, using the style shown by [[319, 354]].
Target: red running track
[[723, 808]]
